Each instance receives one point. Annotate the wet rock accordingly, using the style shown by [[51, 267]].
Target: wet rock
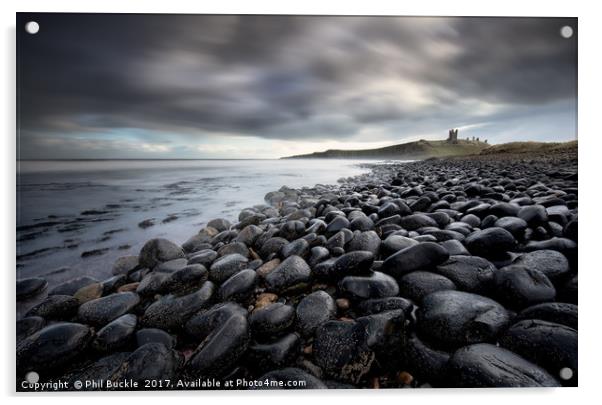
[[153, 335], [171, 266], [227, 266], [318, 254], [202, 323], [485, 365], [157, 251], [490, 242], [416, 221], [422, 256], [53, 347], [377, 285], [520, 287], [28, 326], [152, 283], [549, 345], [239, 287], [337, 224], [290, 272], [89, 292], [504, 209], [233, 247], [279, 379], [70, 287], [557, 312], [425, 362], [103, 310], [187, 279], [199, 241], [266, 268], [171, 312], [59, 307], [265, 299], [203, 257], [366, 241], [292, 230], [101, 370], [249, 234], [272, 319], [351, 264], [385, 334], [565, 246], [376, 305], [270, 356], [220, 224], [125, 265], [549, 262], [388, 210], [454, 248], [469, 273], [29, 287], [515, 226], [130, 287], [111, 284], [314, 310], [418, 284], [534, 215], [299, 247], [340, 349], [396, 243], [472, 220], [271, 247], [361, 223], [116, 334], [152, 361], [455, 318], [221, 349]]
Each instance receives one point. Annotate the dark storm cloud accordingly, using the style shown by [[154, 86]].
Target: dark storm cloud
[[285, 77]]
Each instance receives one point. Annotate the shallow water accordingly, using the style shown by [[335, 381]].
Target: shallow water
[[68, 208]]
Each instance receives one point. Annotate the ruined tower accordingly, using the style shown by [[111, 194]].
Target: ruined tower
[[452, 136]]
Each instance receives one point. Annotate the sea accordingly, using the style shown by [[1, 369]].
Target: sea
[[75, 218]]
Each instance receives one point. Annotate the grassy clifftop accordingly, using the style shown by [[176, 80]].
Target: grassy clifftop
[[408, 151], [530, 147]]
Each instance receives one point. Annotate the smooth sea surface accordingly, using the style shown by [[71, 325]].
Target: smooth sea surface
[[76, 217]]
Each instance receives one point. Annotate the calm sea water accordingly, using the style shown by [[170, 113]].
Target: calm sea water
[[68, 208]]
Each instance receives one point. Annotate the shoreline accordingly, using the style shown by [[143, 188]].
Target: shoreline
[[403, 264]]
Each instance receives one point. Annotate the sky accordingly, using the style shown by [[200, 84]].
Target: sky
[[225, 86]]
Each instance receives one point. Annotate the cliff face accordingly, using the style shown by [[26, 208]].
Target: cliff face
[[406, 151]]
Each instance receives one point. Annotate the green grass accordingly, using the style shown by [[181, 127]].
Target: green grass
[[530, 147], [412, 150]]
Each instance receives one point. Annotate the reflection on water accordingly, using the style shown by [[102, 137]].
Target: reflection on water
[[76, 217]]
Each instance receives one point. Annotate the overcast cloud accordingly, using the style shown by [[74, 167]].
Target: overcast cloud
[[183, 86]]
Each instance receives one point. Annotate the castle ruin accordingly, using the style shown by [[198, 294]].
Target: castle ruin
[[453, 136]]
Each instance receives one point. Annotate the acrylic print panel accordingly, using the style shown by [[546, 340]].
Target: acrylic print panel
[[310, 202]]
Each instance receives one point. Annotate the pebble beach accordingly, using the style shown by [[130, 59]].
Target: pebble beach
[[458, 272]]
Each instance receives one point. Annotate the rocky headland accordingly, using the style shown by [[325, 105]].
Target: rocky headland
[[437, 273]]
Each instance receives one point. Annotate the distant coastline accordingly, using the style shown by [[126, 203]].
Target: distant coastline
[[423, 149]]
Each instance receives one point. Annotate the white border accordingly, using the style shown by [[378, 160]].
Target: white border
[[590, 95]]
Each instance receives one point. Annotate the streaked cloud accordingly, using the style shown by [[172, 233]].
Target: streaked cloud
[[249, 86]]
